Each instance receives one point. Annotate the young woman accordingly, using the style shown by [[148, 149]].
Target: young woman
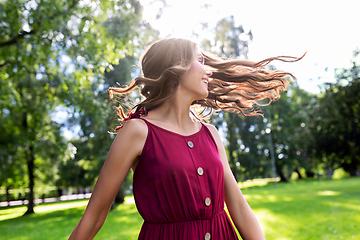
[[181, 174]]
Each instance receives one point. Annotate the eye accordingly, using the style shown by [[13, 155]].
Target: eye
[[201, 60]]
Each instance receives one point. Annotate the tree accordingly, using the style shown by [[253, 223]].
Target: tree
[[230, 40], [96, 117], [287, 119], [336, 126], [54, 53]]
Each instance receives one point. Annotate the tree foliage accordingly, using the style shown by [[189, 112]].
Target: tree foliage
[[335, 122], [55, 53], [287, 118]]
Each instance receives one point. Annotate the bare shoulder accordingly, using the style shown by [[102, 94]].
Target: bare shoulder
[[212, 128], [214, 132], [135, 126], [220, 146], [133, 132]]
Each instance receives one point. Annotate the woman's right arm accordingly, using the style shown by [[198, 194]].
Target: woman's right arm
[[126, 147]]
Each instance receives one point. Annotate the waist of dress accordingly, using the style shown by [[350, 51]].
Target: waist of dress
[[190, 220]]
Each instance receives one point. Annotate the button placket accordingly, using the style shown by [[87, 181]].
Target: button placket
[[200, 171], [207, 236], [207, 201]]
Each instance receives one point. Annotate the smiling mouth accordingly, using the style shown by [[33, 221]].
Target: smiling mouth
[[205, 81]]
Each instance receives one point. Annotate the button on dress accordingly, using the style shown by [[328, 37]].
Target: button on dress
[[178, 187]]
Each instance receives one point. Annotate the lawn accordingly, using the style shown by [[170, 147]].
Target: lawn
[[324, 209], [327, 209]]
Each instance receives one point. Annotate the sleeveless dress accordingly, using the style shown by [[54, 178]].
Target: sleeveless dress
[[178, 187]]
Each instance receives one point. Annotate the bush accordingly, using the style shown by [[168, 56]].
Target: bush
[[340, 173]]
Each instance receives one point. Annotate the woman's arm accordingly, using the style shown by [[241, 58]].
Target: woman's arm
[[240, 211], [126, 147]]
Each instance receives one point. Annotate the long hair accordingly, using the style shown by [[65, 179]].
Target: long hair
[[235, 85]]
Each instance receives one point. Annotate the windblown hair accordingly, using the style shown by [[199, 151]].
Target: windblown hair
[[235, 85]]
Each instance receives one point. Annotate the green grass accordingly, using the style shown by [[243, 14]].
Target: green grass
[[325, 209], [57, 220]]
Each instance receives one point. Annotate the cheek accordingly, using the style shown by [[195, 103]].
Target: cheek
[[196, 70], [198, 67]]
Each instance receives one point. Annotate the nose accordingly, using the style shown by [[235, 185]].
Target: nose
[[208, 73]]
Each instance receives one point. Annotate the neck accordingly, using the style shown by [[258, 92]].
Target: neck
[[174, 112]]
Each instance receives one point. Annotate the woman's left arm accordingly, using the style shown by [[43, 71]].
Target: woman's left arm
[[240, 211]]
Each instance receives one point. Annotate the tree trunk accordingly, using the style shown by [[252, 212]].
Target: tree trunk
[[232, 143], [310, 174], [30, 165], [7, 194], [59, 192], [282, 176], [297, 171]]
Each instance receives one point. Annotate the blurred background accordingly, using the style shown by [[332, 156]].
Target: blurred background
[[58, 58]]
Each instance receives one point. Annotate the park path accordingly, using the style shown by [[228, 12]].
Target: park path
[[47, 200], [62, 198]]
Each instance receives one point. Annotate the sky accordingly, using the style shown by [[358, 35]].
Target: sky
[[327, 30]]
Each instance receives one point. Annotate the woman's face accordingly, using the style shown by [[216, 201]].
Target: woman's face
[[195, 80]]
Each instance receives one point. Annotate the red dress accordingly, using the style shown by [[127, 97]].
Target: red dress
[[179, 187]]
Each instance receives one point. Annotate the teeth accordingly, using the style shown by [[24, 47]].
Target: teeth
[[205, 81]]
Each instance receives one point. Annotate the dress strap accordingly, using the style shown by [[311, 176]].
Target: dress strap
[[136, 114], [210, 135]]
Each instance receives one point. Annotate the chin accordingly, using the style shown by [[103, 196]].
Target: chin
[[203, 96]]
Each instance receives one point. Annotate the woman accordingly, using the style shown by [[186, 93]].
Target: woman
[[181, 173]]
